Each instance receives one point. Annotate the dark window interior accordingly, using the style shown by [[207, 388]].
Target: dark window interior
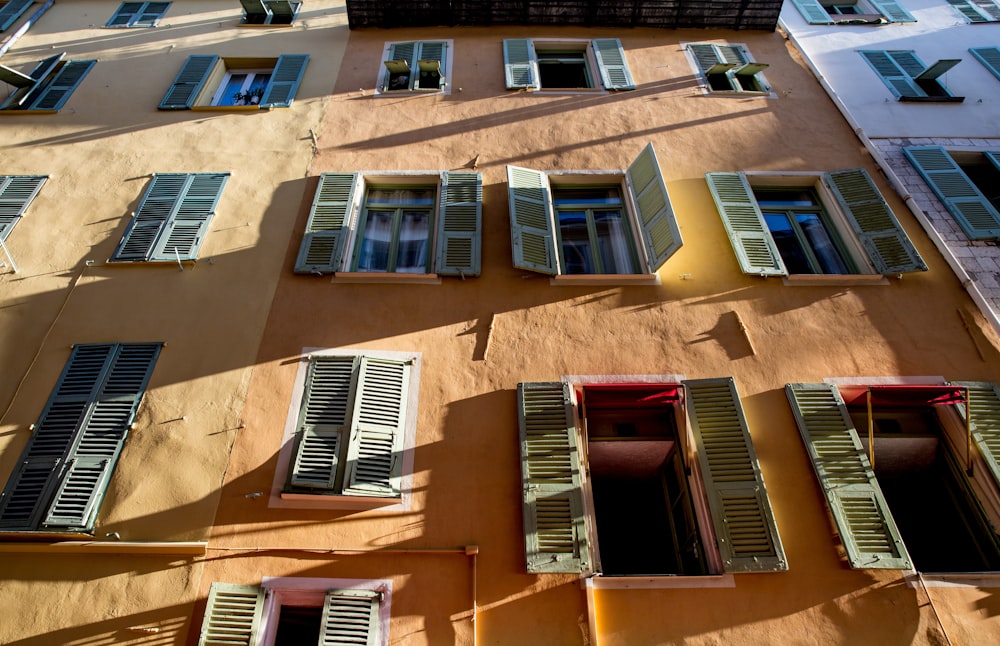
[[982, 173], [563, 69], [298, 625]]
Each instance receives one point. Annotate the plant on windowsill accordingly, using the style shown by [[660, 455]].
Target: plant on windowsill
[[250, 97]]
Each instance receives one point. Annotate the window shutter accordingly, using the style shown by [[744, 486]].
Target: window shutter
[[57, 91], [984, 402], [285, 80], [874, 222], [741, 511], [16, 193], [322, 248], [977, 10], [866, 527], [126, 13], [974, 213], [233, 615], [989, 57], [374, 455], [615, 74], [433, 51], [899, 82], [555, 533], [184, 90], [459, 236], [154, 211], [707, 57], [657, 222], [520, 66], [893, 11], [994, 157], [813, 12], [138, 14], [350, 617], [323, 418], [184, 232], [989, 9], [283, 11], [254, 12], [29, 86], [151, 14], [12, 11], [755, 248], [532, 231]]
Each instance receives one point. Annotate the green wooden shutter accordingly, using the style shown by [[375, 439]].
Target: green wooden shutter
[[184, 232], [706, 56], [977, 216], [459, 226], [874, 222], [895, 78], [520, 65], [989, 9], [127, 12], [433, 51], [813, 12], [866, 526], [977, 10], [56, 92], [555, 532], [184, 90], [255, 12], [532, 230], [611, 62], [375, 452], [285, 80], [12, 11], [755, 248], [233, 615], [283, 11], [989, 57], [151, 14], [154, 211], [16, 193], [323, 422], [29, 86], [138, 14], [330, 217], [657, 222], [350, 617], [984, 402], [893, 11], [741, 511], [401, 57], [993, 156]]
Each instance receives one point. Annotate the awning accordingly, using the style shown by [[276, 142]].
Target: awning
[[903, 395], [631, 395]]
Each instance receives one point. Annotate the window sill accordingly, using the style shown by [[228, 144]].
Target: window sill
[[336, 501], [264, 25], [388, 93], [228, 108], [601, 582], [931, 99], [182, 548], [605, 279], [383, 277], [811, 280], [23, 112]]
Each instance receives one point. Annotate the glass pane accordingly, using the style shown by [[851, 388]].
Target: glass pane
[[576, 251], [255, 91], [587, 196], [411, 257], [784, 198], [231, 90], [375, 242], [397, 196], [613, 243], [792, 253], [822, 244]]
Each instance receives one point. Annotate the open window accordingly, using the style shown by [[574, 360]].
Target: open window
[[208, 82], [394, 225], [826, 223], [908, 78], [728, 69], [566, 65], [642, 479], [416, 66], [46, 88], [977, 10], [852, 12], [269, 13], [138, 14], [592, 222], [967, 183], [910, 477], [11, 10]]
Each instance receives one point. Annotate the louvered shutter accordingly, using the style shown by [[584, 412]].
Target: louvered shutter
[[660, 234], [967, 9], [184, 90], [12, 11], [755, 248], [893, 11], [185, 231], [233, 615], [898, 81], [813, 12], [16, 193], [127, 12], [611, 62], [330, 219], [866, 526], [350, 617], [979, 219], [255, 12], [283, 11], [532, 230], [459, 228], [555, 532], [989, 9], [984, 402], [323, 422], [29, 86], [989, 57], [151, 14], [375, 452], [154, 211], [56, 92], [138, 14], [520, 64], [994, 157], [401, 57], [705, 56], [874, 222], [431, 55], [745, 530], [285, 80]]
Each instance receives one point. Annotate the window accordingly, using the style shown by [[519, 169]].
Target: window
[[587, 223], [847, 12], [11, 10], [916, 473], [421, 66], [210, 81], [16, 193], [172, 219], [615, 482], [977, 10], [60, 479], [352, 429], [269, 13], [298, 611], [394, 224], [46, 88], [138, 14], [908, 79], [541, 64], [828, 223], [728, 68], [967, 184], [989, 57]]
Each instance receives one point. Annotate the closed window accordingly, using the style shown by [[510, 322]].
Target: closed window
[[46, 88], [16, 193], [561, 65], [269, 13], [967, 183], [138, 14], [827, 223], [592, 222], [852, 12], [11, 10], [977, 10], [728, 69], [416, 66], [60, 479], [207, 82], [615, 482], [989, 57], [908, 78]]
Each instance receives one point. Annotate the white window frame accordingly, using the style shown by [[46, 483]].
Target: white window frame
[[383, 73], [310, 592]]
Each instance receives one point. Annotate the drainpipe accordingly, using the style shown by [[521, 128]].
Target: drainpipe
[[968, 283], [13, 38]]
